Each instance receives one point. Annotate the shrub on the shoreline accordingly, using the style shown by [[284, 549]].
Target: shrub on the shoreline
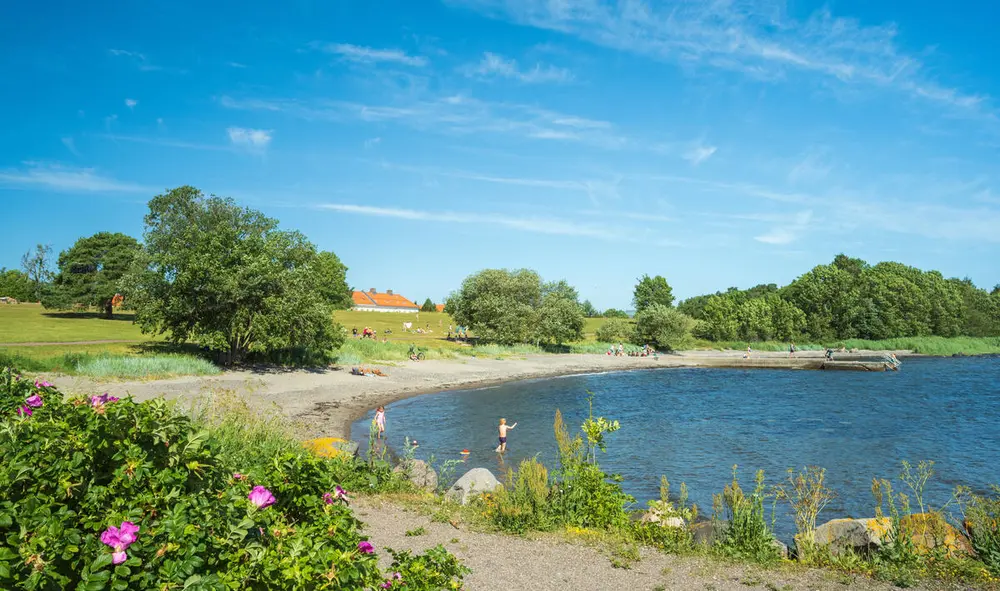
[[747, 533], [616, 330], [102, 493]]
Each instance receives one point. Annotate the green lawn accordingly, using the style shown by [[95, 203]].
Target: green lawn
[[30, 323]]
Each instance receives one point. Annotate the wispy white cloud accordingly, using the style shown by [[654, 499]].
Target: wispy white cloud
[[813, 167], [372, 142], [786, 233], [139, 59], [236, 65], [131, 103], [70, 145], [539, 225], [497, 66], [757, 37], [455, 114], [65, 179], [250, 138], [370, 55], [596, 190], [168, 142], [699, 154]]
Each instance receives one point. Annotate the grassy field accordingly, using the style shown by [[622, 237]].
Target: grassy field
[[30, 323]]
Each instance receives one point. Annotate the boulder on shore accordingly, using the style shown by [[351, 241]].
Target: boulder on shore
[[474, 482], [707, 533], [419, 473], [654, 516], [930, 530], [860, 535]]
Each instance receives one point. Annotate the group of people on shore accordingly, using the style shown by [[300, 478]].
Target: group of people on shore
[[619, 351], [369, 333]]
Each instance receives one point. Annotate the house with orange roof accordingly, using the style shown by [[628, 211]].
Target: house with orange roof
[[373, 301], [439, 307]]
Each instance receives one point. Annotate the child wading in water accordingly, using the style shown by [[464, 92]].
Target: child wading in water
[[503, 428], [380, 421]]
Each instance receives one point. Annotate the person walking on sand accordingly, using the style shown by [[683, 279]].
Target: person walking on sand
[[380, 421], [503, 428], [791, 350]]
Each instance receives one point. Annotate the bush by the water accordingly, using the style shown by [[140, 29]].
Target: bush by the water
[[99, 493], [616, 330]]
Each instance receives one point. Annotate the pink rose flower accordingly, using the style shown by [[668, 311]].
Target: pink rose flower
[[261, 497], [34, 400], [120, 538]]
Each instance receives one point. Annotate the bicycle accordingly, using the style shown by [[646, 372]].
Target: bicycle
[[416, 354]]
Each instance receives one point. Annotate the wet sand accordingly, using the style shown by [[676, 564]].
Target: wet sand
[[326, 401]]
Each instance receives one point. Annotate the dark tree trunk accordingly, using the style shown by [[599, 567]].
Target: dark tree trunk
[[109, 310]]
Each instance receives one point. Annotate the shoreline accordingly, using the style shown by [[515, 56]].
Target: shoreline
[[326, 402]]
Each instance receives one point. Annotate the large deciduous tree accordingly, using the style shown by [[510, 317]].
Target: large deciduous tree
[[509, 307], [90, 270], [228, 278], [652, 290]]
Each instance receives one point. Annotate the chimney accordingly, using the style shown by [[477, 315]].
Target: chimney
[[372, 290], [388, 292]]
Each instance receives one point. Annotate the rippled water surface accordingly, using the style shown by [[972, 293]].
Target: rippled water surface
[[693, 425]]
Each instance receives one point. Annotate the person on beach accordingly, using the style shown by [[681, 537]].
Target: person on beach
[[503, 428], [380, 421], [791, 350], [747, 354]]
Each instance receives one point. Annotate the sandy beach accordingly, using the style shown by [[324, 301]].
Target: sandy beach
[[327, 401]]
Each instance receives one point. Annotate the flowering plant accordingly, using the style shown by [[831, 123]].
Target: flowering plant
[[134, 495]]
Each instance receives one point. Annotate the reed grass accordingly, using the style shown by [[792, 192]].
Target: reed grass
[[145, 367]]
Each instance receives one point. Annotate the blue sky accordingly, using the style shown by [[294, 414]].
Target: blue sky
[[717, 143]]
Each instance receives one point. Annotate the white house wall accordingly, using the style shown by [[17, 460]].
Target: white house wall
[[385, 309]]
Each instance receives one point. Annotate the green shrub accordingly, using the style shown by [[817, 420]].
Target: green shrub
[[748, 534], [582, 494], [663, 327], [616, 330], [74, 468], [523, 504], [982, 523]]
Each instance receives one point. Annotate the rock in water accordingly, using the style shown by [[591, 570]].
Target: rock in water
[[419, 473], [861, 535], [473, 482]]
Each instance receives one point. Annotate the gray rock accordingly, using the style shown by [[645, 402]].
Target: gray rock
[[860, 535], [473, 482], [654, 516], [781, 547], [706, 533], [419, 473]]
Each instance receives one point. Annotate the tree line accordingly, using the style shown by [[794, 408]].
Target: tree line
[[849, 299]]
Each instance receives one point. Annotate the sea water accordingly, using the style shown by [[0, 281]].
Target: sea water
[[694, 425]]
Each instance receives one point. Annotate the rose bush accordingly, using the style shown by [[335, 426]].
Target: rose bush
[[98, 493]]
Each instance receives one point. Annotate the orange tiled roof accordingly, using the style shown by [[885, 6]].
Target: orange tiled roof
[[384, 300], [361, 299], [440, 307]]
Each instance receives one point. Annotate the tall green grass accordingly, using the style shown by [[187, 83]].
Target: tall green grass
[[942, 346], [145, 367], [930, 345], [111, 366], [355, 351]]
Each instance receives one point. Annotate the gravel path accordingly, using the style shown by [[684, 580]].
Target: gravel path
[[510, 563]]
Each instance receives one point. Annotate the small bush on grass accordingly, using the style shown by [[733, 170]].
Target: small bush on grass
[[616, 330], [103, 493]]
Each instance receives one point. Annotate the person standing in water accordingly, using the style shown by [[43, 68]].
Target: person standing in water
[[503, 428], [380, 421]]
